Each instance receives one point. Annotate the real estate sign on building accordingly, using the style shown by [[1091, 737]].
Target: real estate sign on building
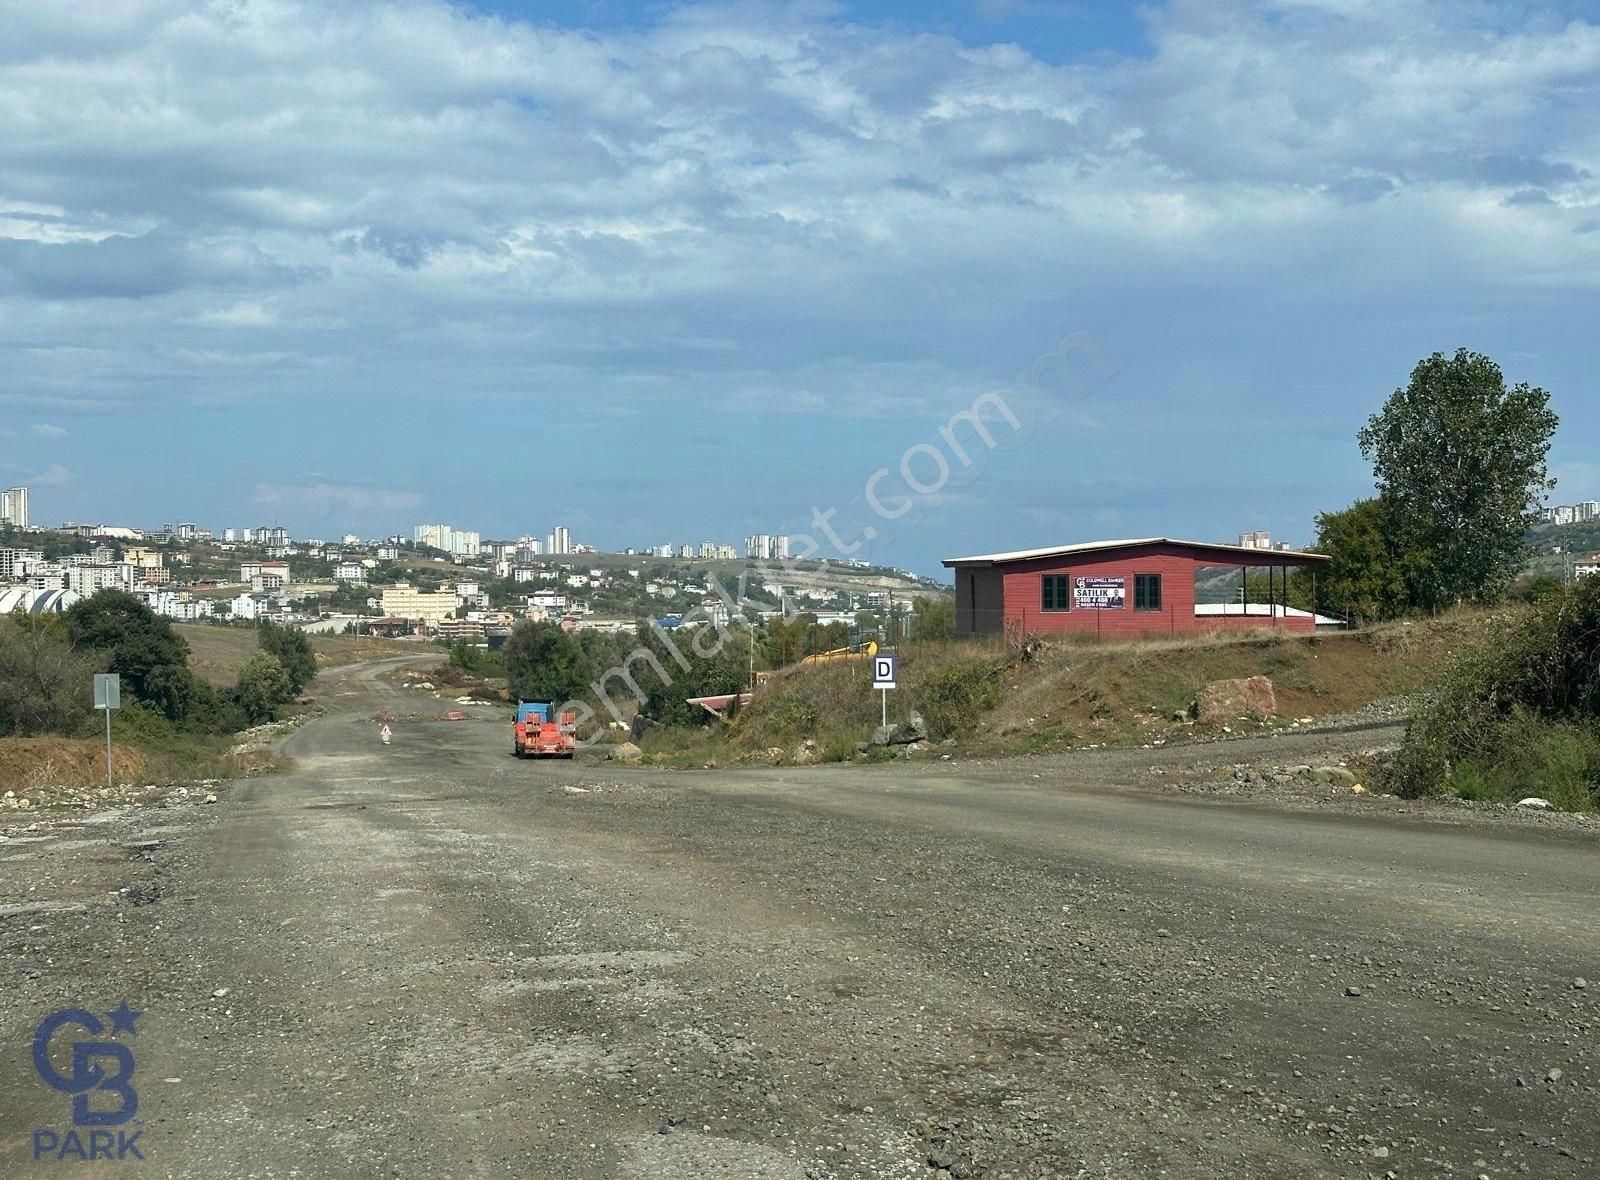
[[1099, 593]]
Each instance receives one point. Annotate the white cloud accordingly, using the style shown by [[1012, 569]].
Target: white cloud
[[763, 204], [330, 499], [244, 314], [53, 476]]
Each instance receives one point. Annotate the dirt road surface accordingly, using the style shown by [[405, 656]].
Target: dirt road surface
[[434, 960]]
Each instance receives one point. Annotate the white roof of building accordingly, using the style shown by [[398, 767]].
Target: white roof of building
[[1211, 610], [1095, 546], [36, 602]]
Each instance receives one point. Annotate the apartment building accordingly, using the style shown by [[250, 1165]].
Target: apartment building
[[14, 507], [404, 601], [15, 564]]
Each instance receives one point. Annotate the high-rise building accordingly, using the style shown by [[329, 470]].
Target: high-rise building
[[14, 507], [767, 546], [434, 536]]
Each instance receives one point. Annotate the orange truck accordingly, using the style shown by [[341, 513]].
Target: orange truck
[[539, 732]]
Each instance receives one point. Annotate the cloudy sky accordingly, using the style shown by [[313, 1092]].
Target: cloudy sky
[[671, 271]]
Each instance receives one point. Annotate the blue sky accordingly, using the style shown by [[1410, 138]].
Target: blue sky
[[671, 272]]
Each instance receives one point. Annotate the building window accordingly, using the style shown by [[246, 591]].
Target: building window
[[1146, 591], [1054, 591]]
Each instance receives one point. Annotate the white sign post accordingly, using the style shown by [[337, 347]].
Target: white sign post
[[108, 696], [883, 680]]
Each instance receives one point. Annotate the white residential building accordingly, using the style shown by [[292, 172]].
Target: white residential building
[[767, 546], [88, 579], [14, 507], [15, 564], [434, 536], [456, 542]]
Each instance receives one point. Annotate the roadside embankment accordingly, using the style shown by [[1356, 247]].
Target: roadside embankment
[[994, 698]]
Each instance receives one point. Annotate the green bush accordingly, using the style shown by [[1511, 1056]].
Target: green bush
[[1556, 761], [841, 747], [950, 697], [293, 652], [1517, 715], [476, 661]]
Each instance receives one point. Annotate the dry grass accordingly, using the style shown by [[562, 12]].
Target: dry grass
[[217, 653], [1068, 692], [1127, 691], [29, 763]]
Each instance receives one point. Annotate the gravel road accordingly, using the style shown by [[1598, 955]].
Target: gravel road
[[433, 960]]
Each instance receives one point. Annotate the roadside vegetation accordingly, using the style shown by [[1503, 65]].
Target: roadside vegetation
[[1518, 715], [172, 723], [1460, 461], [990, 698]]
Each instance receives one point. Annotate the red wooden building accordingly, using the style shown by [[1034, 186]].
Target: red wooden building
[[1121, 588]]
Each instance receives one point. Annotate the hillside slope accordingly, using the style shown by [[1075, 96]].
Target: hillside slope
[[992, 699]]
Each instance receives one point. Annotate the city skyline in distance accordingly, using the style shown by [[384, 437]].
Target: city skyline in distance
[[625, 289]]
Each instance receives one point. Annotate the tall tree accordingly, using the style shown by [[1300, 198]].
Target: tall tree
[[543, 662], [140, 646], [1368, 578], [1461, 462]]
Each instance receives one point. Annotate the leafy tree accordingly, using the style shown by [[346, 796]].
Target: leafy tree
[[293, 650], [44, 682], [1461, 463], [264, 684], [543, 662], [933, 617], [475, 660], [1368, 576], [139, 645], [718, 662]]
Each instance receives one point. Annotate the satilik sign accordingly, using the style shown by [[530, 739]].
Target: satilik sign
[[1099, 593]]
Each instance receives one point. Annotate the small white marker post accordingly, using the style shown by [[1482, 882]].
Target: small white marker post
[[108, 696], [883, 680]]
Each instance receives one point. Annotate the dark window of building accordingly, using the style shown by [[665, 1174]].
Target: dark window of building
[[1146, 591], [1054, 591]]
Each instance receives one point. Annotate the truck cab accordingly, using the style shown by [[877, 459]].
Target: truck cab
[[539, 732]]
